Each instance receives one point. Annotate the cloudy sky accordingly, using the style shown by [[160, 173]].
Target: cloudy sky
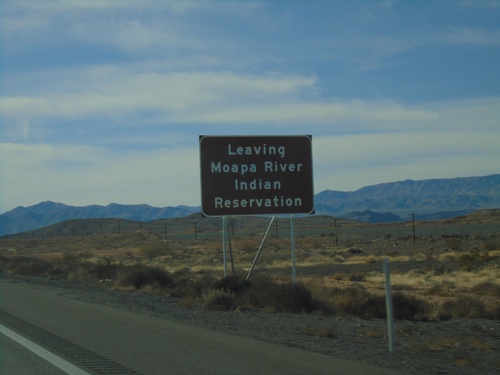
[[103, 101]]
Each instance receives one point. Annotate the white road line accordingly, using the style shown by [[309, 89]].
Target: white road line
[[62, 364]]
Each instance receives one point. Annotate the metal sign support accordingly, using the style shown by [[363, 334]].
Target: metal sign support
[[228, 236], [224, 252], [260, 247], [292, 241]]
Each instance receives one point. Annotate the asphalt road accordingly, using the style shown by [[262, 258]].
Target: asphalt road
[[100, 338]]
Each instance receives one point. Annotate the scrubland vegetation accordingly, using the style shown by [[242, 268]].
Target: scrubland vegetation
[[434, 278]]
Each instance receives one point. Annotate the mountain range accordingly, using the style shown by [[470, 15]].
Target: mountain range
[[430, 199], [388, 202]]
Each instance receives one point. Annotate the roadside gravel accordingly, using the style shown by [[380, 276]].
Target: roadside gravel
[[461, 346]]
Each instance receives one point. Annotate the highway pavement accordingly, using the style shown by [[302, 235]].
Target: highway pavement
[[101, 339]]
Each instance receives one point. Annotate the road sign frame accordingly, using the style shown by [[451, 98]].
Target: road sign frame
[[256, 175]]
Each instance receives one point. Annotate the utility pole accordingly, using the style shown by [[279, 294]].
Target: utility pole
[[166, 232], [336, 237], [413, 223]]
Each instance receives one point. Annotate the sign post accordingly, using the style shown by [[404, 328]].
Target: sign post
[[224, 252]]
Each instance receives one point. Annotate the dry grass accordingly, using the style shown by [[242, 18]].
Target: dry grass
[[451, 282], [418, 294], [195, 265]]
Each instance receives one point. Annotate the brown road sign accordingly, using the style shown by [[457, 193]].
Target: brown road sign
[[254, 175]]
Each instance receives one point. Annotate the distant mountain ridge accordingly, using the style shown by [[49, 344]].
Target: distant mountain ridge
[[22, 219], [424, 197], [388, 202]]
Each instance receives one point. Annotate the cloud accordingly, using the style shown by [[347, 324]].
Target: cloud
[[350, 116], [153, 26], [107, 97], [471, 35], [204, 97], [111, 91], [395, 148], [487, 4]]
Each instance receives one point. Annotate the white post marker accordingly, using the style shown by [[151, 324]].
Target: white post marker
[[388, 304]]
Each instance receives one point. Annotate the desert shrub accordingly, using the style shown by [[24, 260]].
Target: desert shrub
[[182, 274], [408, 307], [438, 268], [348, 300], [69, 257], [491, 244], [373, 307], [438, 289], [293, 298], [76, 272], [358, 276], [231, 292], [371, 259], [30, 266], [104, 271], [154, 250], [247, 246], [473, 261], [354, 250], [493, 312], [266, 294], [463, 307], [72, 258], [84, 254], [232, 284], [197, 287], [359, 302], [190, 286], [339, 259], [487, 288], [452, 242], [218, 301], [140, 276], [404, 307]]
